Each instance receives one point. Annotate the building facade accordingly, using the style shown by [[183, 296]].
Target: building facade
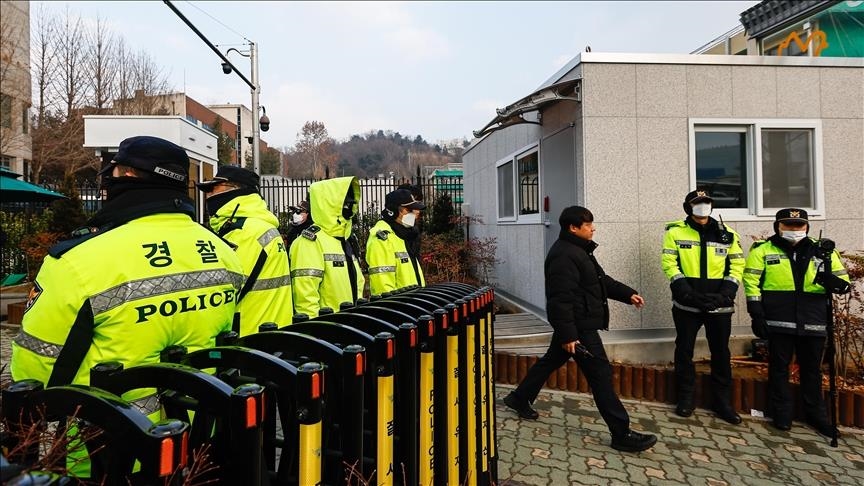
[[16, 142]]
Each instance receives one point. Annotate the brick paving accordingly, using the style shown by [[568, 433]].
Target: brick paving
[[569, 445]]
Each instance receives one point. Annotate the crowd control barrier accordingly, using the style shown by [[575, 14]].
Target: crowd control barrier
[[125, 434], [397, 390]]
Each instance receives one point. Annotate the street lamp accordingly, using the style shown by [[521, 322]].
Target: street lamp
[[227, 67], [255, 89]]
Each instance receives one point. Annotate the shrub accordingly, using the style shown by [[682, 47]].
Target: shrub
[[849, 323]]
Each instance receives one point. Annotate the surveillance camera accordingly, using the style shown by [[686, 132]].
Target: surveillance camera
[[226, 68], [265, 123]]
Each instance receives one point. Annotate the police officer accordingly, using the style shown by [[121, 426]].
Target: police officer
[[143, 275], [392, 264], [239, 214], [787, 303], [325, 268], [703, 260], [300, 220]]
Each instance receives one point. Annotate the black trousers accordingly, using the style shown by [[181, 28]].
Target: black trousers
[[808, 350], [597, 371], [718, 327]]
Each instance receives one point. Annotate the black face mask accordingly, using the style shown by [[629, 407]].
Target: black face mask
[[213, 203], [114, 186]]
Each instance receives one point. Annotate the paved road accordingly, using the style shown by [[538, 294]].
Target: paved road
[[569, 445]]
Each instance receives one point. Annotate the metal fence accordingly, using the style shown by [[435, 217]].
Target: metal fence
[[280, 193]]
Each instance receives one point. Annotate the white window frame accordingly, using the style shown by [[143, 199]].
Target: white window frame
[[753, 150], [513, 158]]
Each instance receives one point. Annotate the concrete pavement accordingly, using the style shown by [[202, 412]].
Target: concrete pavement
[[569, 445]]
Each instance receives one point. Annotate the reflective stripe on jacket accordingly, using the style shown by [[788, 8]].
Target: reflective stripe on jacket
[[790, 303], [390, 266], [259, 244]]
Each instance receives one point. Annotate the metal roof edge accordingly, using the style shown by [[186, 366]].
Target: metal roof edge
[[717, 59]]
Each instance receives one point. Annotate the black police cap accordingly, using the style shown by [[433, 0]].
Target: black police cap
[[791, 215], [232, 173], [402, 198], [154, 155], [699, 195]]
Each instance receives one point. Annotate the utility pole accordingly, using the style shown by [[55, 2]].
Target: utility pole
[[256, 91]]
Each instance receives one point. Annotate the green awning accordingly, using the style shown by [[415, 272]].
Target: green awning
[[13, 190]]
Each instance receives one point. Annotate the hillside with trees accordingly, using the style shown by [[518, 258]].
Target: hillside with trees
[[377, 153]]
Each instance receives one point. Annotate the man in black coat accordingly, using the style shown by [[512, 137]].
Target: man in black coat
[[576, 305]]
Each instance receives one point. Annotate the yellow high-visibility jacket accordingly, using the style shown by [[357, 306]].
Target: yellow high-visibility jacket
[[266, 296], [709, 258], [789, 301], [324, 270], [390, 266], [125, 295]]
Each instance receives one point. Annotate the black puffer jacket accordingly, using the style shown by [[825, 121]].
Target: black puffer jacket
[[577, 288]]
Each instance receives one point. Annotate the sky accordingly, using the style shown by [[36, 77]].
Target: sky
[[437, 69]]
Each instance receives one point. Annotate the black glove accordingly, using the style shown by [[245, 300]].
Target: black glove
[[680, 288], [718, 300], [759, 327], [698, 300], [728, 289]]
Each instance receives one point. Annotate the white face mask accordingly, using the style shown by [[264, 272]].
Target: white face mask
[[793, 236], [298, 218], [702, 210], [408, 220]]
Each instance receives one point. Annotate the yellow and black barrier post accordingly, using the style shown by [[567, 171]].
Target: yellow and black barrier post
[[452, 410], [467, 395], [489, 300], [310, 395], [478, 315], [426, 437], [351, 419], [442, 374], [385, 350], [407, 401]]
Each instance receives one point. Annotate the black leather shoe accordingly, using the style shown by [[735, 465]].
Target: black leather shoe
[[520, 407], [781, 425], [633, 442], [684, 409], [729, 415]]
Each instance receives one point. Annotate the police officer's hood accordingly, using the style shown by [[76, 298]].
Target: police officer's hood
[[242, 206], [326, 200]]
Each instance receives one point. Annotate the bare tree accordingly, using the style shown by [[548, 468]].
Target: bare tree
[[315, 148], [101, 68], [72, 57]]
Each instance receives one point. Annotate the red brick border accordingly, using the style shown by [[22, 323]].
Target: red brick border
[[658, 385]]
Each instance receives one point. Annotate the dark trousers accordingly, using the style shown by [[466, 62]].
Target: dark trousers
[[808, 350], [718, 327], [597, 371]]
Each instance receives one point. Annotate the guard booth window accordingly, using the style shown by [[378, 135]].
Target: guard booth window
[[754, 167], [721, 166], [529, 188], [505, 191]]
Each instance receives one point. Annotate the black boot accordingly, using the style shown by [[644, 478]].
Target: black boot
[[685, 406], [522, 407], [727, 413], [633, 442]]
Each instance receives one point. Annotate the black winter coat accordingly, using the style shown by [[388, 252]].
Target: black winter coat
[[577, 288]]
